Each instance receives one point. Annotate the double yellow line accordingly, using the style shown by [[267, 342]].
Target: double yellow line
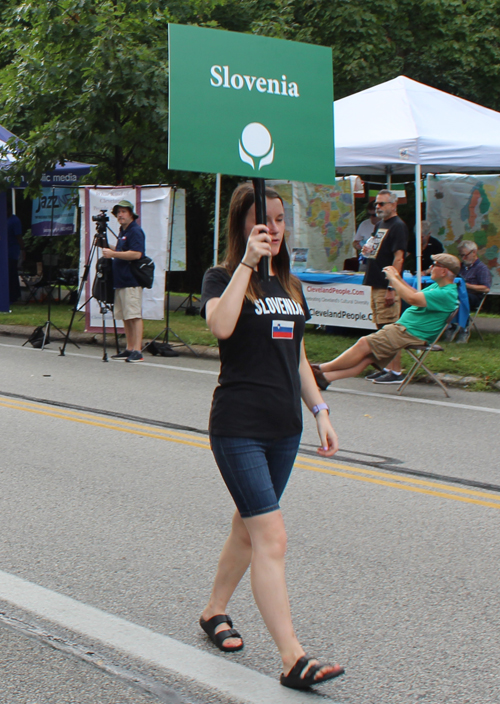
[[312, 464]]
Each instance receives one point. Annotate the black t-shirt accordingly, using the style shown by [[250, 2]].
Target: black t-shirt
[[434, 246], [390, 236], [259, 385]]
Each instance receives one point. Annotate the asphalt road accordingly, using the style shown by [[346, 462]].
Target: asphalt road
[[110, 496]]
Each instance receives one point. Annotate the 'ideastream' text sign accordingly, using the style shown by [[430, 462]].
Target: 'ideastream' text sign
[[250, 106]]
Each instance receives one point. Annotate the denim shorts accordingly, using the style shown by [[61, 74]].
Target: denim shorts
[[255, 471]]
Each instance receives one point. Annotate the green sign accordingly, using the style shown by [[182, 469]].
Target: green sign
[[250, 106]]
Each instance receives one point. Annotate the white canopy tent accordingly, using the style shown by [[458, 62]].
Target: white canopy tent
[[402, 126]]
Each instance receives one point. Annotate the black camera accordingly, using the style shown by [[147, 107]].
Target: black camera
[[101, 219]]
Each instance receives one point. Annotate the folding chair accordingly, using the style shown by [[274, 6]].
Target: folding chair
[[473, 320], [46, 277], [419, 359]]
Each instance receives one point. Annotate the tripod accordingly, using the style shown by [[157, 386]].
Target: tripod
[[167, 329], [104, 293], [51, 286], [188, 304]]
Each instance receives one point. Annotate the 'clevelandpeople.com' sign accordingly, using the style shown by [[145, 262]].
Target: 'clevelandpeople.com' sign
[[250, 106]]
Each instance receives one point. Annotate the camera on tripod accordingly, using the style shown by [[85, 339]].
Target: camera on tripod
[[101, 221]]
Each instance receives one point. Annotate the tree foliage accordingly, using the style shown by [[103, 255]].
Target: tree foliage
[[88, 79]]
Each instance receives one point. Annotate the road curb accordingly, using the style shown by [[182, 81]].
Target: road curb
[[91, 338]]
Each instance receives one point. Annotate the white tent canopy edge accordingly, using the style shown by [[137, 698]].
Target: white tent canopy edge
[[402, 126]]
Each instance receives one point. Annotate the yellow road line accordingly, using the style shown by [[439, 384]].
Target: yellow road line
[[398, 485], [112, 426], [64, 413], [311, 464], [400, 478]]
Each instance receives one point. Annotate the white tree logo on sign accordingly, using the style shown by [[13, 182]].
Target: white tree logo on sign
[[256, 143]]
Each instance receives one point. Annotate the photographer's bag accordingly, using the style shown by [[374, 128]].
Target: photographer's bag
[[36, 337], [144, 271], [102, 288]]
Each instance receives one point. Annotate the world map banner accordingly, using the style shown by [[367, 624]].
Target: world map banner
[[462, 207], [320, 222]]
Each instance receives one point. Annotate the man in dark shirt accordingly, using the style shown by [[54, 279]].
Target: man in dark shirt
[[128, 292], [430, 246], [476, 275], [386, 247], [477, 279]]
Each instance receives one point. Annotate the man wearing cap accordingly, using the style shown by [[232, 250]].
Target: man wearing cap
[[128, 293], [423, 321], [387, 247]]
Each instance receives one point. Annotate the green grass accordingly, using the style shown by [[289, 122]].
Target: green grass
[[480, 359], [192, 329], [476, 358]]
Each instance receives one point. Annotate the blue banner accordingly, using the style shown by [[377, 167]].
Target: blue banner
[[53, 213]]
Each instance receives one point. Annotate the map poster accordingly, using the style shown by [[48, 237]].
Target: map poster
[[320, 221], [462, 207]]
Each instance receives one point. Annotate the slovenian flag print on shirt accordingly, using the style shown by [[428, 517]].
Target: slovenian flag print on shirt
[[283, 329]]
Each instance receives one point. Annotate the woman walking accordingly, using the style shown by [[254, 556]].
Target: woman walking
[[256, 423]]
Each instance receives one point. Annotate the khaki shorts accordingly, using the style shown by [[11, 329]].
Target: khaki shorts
[[386, 343], [383, 314], [128, 303]]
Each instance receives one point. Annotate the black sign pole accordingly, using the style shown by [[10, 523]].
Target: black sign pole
[[259, 186]]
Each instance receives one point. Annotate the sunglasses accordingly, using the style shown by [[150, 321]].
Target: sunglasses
[[381, 205]]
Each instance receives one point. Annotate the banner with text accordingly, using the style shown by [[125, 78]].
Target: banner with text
[[249, 105], [344, 305], [53, 213]]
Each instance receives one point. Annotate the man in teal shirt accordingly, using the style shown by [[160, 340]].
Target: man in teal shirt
[[422, 322]]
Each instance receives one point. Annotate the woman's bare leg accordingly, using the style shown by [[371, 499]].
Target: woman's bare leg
[[268, 536], [233, 563]]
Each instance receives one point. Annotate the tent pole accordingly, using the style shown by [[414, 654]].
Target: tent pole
[[388, 171], [418, 224], [13, 192], [217, 218]]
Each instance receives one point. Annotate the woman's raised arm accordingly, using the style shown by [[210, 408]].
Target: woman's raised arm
[[222, 313]]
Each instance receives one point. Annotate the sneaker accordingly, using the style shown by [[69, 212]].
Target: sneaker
[[463, 336], [375, 375], [135, 356], [123, 355], [450, 332], [389, 378]]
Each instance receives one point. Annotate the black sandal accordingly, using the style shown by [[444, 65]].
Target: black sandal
[[295, 681], [321, 380], [219, 638]]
